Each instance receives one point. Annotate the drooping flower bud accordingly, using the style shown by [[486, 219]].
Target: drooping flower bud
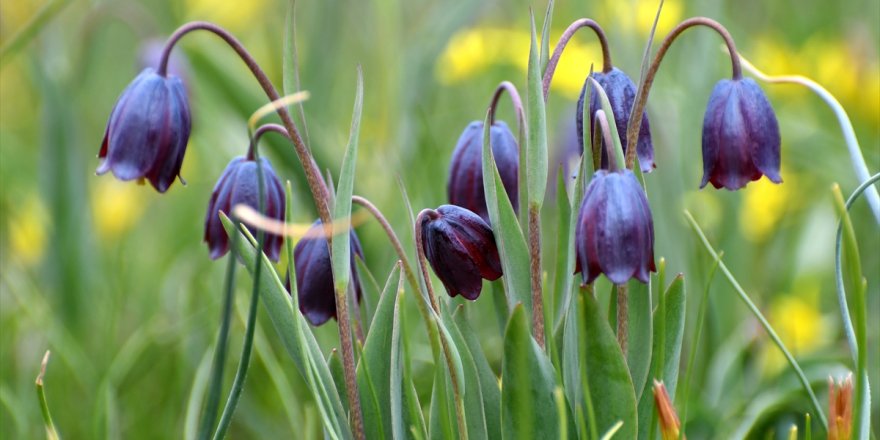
[[314, 274], [670, 426], [148, 130], [840, 408], [461, 249], [615, 230], [465, 185], [740, 136], [238, 185], [621, 93]]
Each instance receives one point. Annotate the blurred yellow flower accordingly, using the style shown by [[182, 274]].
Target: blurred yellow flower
[[116, 206], [764, 205], [798, 322], [639, 15], [233, 15], [471, 52], [28, 226]]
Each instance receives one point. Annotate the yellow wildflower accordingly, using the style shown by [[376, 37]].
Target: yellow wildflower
[[764, 205], [28, 225], [116, 206], [798, 322]]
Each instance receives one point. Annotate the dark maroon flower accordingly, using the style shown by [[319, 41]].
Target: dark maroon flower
[[238, 185], [465, 185], [615, 231], [740, 136], [621, 93], [461, 249], [148, 130], [314, 275]]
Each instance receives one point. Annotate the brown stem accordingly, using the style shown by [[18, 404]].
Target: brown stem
[[622, 318], [535, 266], [563, 41], [392, 237], [313, 175], [317, 186], [507, 86], [635, 118], [423, 262]]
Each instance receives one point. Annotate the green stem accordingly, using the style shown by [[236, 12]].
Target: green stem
[[51, 433], [245, 361], [764, 323], [210, 411]]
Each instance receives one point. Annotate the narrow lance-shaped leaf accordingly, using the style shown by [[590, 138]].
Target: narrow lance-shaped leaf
[[528, 409], [536, 148], [509, 237]]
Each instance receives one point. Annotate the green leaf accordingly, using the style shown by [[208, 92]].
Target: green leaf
[[610, 384], [295, 333], [669, 319], [334, 362], [374, 368], [612, 125], [406, 413], [528, 409], [370, 288], [640, 331], [562, 278], [489, 389], [545, 35], [511, 243], [290, 66], [473, 396], [443, 423], [341, 244], [536, 148]]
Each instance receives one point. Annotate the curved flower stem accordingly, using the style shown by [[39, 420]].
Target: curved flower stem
[[245, 360], [392, 237], [447, 353], [635, 121], [849, 134], [563, 41], [259, 132], [313, 175]]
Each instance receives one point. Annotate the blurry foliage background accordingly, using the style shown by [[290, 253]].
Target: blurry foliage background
[[114, 278]]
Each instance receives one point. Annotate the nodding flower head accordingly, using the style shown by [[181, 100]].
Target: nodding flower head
[[461, 249], [740, 136], [148, 130], [314, 275], [465, 185], [621, 93], [239, 185], [615, 231]]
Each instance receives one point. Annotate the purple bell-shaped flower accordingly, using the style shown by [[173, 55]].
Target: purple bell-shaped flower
[[615, 231], [461, 249], [238, 185], [314, 275], [621, 93], [740, 136], [148, 130], [465, 185]]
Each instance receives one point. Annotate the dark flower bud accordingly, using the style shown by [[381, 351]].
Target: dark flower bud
[[314, 274], [615, 231], [621, 93], [148, 130], [461, 249], [238, 185], [740, 136], [465, 186]]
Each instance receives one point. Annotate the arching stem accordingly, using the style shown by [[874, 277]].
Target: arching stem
[[635, 121], [392, 237], [423, 261], [563, 41], [313, 175]]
